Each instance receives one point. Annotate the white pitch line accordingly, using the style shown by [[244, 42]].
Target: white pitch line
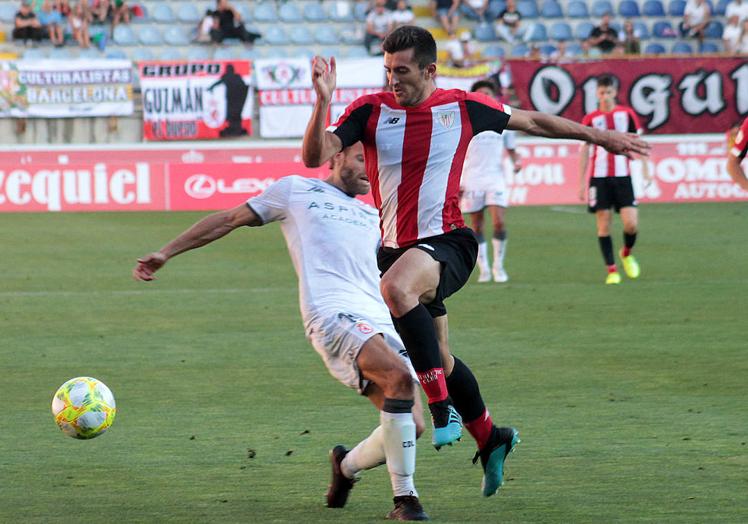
[[574, 210], [136, 292]]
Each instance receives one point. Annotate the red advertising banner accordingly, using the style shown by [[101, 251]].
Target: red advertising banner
[[684, 169], [194, 100], [672, 96]]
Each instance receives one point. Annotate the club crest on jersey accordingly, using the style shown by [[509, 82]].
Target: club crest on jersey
[[446, 118], [364, 328]]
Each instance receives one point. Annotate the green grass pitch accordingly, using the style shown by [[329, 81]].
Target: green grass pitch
[[631, 401]]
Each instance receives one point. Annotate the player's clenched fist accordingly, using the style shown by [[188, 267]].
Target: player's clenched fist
[[148, 265], [323, 77]]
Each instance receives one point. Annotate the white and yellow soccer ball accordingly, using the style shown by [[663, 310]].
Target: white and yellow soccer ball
[[83, 407]]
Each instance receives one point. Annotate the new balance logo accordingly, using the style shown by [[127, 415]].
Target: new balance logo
[[392, 120]]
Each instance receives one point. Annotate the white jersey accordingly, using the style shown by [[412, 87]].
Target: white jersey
[[332, 239], [483, 169]]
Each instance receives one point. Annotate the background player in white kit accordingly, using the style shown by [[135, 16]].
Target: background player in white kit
[[483, 186], [327, 230]]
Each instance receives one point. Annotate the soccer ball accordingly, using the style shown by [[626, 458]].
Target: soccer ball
[[83, 407]]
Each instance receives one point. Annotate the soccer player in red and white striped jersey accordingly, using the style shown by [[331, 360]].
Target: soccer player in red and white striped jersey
[[415, 138], [736, 154], [609, 178]]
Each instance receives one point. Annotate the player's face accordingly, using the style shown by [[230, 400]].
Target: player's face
[[353, 171], [410, 84], [606, 96]]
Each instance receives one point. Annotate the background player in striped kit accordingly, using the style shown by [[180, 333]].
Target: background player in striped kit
[[327, 229], [415, 138], [483, 186], [609, 178], [736, 153]]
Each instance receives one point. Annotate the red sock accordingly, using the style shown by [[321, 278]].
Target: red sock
[[612, 268], [434, 384], [626, 251], [480, 429]]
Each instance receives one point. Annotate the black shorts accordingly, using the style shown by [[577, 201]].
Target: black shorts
[[612, 191], [457, 252]]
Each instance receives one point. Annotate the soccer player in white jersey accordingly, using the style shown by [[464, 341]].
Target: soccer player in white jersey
[[328, 233], [609, 178], [415, 137], [483, 187]]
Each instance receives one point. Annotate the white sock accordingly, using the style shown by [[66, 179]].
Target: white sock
[[499, 251], [368, 454], [483, 257], [399, 431]]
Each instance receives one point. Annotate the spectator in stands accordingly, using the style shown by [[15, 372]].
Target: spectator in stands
[[743, 43], [27, 26], [731, 34], [475, 9], [208, 23], [603, 36], [80, 19], [378, 25], [446, 13], [561, 54], [99, 10], [508, 24], [63, 7], [630, 38], [695, 19], [120, 13], [403, 15], [588, 51], [51, 22], [463, 51], [230, 24], [737, 7]]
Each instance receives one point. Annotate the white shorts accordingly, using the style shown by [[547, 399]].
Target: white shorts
[[474, 201], [339, 337]]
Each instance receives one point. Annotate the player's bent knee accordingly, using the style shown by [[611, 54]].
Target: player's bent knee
[[400, 384]]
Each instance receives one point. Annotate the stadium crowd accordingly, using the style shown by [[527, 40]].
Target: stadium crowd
[[550, 29]]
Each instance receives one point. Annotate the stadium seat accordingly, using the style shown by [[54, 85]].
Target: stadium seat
[[602, 7], [547, 49], [265, 12], [341, 11], [90, 53], [714, 30], [170, 53], [360, 10], [116, 54], [244, 12], [226, 53], [61, 53], [198, 53], [357, 52], [123, 35], [274, 35], [711, 47], [326, 35], [249, 54], [494, 51], [337, 52], [277, 52], [8, 12], [577, 9], [313, 12], [628, 9], [574, 49], [676, 7], [560, 31], [141, 54], [583, 30], [539, 32], [551, 9], [519, 50], [304, 52], [484, 33], [663, 29], [642, 29], [495, 8], [300, 35], [34, 53], [290, 13], [654, 48], [721, 7], [653, 8], [188, 13], [528, 9], [175, 35], [150, 35], [682, 48], [162, 13], [350, 37]]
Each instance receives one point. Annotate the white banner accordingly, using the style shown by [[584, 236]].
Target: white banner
[[286, 93], [65, 88]]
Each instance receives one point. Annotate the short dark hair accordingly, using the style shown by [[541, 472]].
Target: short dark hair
[[412, 37], [484, 83], [607, 80]]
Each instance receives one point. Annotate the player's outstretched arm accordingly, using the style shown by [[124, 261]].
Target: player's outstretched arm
[[320, 145], [584, 158], [541, 124], [735, 170], [201, 233]]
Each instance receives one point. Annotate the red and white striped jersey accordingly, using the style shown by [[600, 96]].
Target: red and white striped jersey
[[622, 119], [414, 156], [740, 147]]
